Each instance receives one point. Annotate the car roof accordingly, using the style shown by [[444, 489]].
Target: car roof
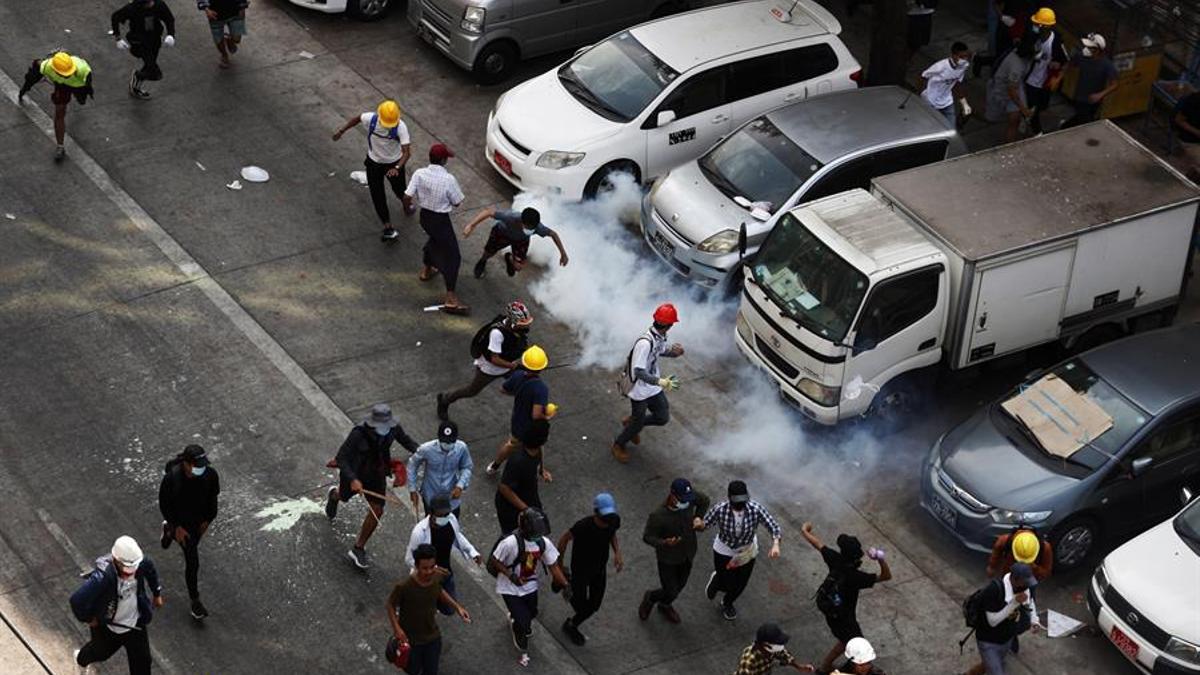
[[838, 124], [1153, 369], [687, 40]]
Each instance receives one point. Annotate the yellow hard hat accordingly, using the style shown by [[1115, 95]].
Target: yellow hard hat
[[63, 64], [534, 358], [1044, 17], [551, 409], [1025, 546], [389, 114]]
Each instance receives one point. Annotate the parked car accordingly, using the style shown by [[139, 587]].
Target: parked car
[[801, 152], [660, 94], [1145, 595], [992, 471], [363, 10], [489, 37]]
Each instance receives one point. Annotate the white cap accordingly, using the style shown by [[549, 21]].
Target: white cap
[[127, 552], [1094, 41], [859, 651]]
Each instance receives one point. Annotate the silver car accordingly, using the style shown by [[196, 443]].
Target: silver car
[[990, 473]]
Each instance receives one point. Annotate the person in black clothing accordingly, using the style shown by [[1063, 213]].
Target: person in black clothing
[[187, 498], [844, 582], [147, 20], [1007, 609], [531, 401], [518, 489], [1187, 123], [499, 353], [593, 536], [364, 463], [671, 530]]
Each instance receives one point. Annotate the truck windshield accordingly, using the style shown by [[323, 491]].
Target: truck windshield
[[759, 163], [810, 282], [617, 78]]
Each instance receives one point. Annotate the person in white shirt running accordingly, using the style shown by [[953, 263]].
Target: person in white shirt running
[[943, 83]]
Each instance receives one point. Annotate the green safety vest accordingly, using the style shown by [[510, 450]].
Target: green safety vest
[[76, 80]]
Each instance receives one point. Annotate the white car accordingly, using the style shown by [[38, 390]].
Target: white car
[[363, 10], [1146, 596], [660, 94]]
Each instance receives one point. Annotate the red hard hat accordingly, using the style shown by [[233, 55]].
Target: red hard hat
[[666, 314]]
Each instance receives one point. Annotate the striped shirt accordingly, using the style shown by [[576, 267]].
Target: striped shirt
[[728, 531], [435, 189]]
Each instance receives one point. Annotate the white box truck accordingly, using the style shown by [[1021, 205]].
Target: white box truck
[[1078, 236]]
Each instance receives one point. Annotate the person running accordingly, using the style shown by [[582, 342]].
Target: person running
[[735, 548], [441, 529], [364, 463], [768, 650], [71, 76], [518, 489], [512, 230], [1024, 545], [447, 466], [438, 192], [514, 563], [593, 536], [1007, 609], [113, 603], [227, 23], [187, 499], [1049, 57], [531, 399], [1006, 100], [410, 610], [388, 150], [943, 83], [860, 660], [1096, 78], [148, 20], [671, 530], [644, 385], [496, 348], [837, 597]]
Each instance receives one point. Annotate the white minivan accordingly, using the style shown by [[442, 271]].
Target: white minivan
[[660, 94]]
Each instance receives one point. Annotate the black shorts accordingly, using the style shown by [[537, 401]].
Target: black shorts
[[374, 483], [498, 242], [844, 628]]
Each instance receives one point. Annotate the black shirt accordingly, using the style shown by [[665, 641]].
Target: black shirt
[[442, 538], [188, 500], [591, 543], [521, 476], [853, 579], [1189, 107], [528, 390], [993, 601]]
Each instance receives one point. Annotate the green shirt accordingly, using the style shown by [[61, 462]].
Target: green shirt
[[76, 80], [415, 606]]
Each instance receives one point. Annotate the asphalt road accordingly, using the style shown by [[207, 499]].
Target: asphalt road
[[144, 306]]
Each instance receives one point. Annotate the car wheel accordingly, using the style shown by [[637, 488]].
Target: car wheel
[[601, 182], [368, 10], [1074, 541], [495, 63]]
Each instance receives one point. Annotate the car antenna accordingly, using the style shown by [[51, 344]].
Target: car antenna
[[905, 101]]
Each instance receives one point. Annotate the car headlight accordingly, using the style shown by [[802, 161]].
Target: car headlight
[[823, 394], [473, 19], [721, 242], [743, 328], [1183, 650], [555, 159], [1007, 517], [1101, 578]]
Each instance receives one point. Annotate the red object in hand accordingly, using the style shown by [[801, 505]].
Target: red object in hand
[[331, 464], [396, 653], [399, 473]]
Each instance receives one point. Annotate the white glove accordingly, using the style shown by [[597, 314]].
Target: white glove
[[122, 44], [669, 383], [964, 106], [1007, 20], [169, 41]]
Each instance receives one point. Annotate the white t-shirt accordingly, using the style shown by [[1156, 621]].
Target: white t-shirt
[[381, 147], [495, 344], [127, 609], [940, 79], [646, 351], [1042, 53], [506, 552]]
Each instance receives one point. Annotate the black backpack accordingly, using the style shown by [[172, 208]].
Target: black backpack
[[520, 550], [479, 343], [830, 600], [972, 611]]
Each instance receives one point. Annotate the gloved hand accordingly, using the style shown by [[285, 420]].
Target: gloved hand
[[964, 106], [669, 383], [169, 41], [122, 44]]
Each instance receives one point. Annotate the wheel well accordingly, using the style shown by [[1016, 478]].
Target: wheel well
[[506, 41], [593, 183]]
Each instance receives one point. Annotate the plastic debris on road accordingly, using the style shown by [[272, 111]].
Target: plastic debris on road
[[1060, 625], [235, 185], [255, 174], [201, 166], [433, 308], [12, 217], [307, 55], [359, 176]]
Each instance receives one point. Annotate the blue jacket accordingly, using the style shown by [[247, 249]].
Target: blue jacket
[[444, 471], [97, 597]]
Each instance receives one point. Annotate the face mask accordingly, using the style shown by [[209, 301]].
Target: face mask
[[530, 233], [380, 433], [774, 649], [441, 521], [199, 470], [446, 447], [1087, 51], [1036, 29], [679, 506]]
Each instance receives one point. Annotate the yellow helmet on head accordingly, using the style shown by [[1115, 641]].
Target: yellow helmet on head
[[63, 64], [534, 358], [389, 114], [1025, 546], [1044, 17]]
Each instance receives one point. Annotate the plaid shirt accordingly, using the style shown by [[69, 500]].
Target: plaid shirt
[[435, 188], [757, 662], [727, 530]]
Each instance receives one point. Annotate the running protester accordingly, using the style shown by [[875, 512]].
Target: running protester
[[593, 536], [442, 466], [148, 20], [515, 563], [735, 548], [441, 529], [496, 348], [410, 609], [671, 530], [512, 230], [644, 385], [187, 499], [388, 150], [71, 76], [113, 603], [531, 401], [227, 23]]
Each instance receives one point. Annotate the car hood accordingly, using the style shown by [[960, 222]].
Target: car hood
[[541, 115], [693, 207], [1157, 573], [982, 461]]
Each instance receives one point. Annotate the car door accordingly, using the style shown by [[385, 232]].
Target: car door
[[545, 25], [598, 19], [702, 117], [764, 82], [1173, 449]]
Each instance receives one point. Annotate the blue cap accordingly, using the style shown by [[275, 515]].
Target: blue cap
[[682, 489], [604, 504], [1024, 573]]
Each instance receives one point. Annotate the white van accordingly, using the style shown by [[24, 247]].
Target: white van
[[660, 94]]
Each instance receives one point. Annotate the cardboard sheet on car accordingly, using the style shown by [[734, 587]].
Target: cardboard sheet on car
[[1062, 419]]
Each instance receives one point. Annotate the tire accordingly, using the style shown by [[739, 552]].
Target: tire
[[1096, 336], [369, 10], [1074, 541], [600, 181], [901, 402], [495, 62]]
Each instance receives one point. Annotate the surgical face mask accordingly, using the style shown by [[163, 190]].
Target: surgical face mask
[[380, 432], [1088, 51], [446, 447], [441, 521], [528, 232], [679, 506], [199, 470], [774, 649], [1037, 30]]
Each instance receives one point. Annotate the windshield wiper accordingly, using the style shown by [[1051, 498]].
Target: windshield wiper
[[720, 182], [581, 92]]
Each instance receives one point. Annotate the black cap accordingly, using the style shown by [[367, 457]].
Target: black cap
[[771, 634], [440, 505], [534, 523], [738, 492], [447, 432], [850, 548], [195, 455]]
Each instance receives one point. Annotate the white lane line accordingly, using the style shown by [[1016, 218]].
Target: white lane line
[[547, 647]]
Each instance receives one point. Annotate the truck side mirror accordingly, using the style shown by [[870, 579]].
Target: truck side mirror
[[742, 241], [664, 118], [1139, 466]]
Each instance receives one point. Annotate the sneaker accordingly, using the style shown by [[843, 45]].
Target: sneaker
[[620, 454], [710, 588], [573, 633], [492, 469], [646, 605], [166, 538], [729, 612], [509, 267], [199, 611], [443, 408], [141, 94], [80, 670], [669, 613], [331, 504], [359, 557], [637, 438], [480, 268], [60, 153], [389, 234]]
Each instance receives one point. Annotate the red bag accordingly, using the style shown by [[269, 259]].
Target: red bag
[[397, 654], [399, 471]]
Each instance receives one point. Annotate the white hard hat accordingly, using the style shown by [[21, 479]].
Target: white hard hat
[[1094, 41], [127, 552], [859, 651]]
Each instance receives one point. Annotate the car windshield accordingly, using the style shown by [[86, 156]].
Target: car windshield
[[1127, 418], [810, 282], [1187, 525], [759, 163], [617, 78]]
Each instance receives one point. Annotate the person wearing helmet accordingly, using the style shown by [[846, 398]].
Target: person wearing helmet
[[388, 150], [113, 603], [148, 20], [226, 23], [512, 230], [518, 488], [593, 535], [1096, 78], [439, 193], [442, 466], [71, 76], [496, 348], [515, 562], [860, 659], [1024, 545], [768, 650], [187, 499], [1049, 57], [644, 385], [531, 397]]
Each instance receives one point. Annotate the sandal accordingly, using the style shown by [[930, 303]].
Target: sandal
[[458, 310], [426, 275]]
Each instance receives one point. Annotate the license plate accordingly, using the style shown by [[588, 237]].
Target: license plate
[[502, 162], [1124, 643], [943, 510], [665, 248]]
